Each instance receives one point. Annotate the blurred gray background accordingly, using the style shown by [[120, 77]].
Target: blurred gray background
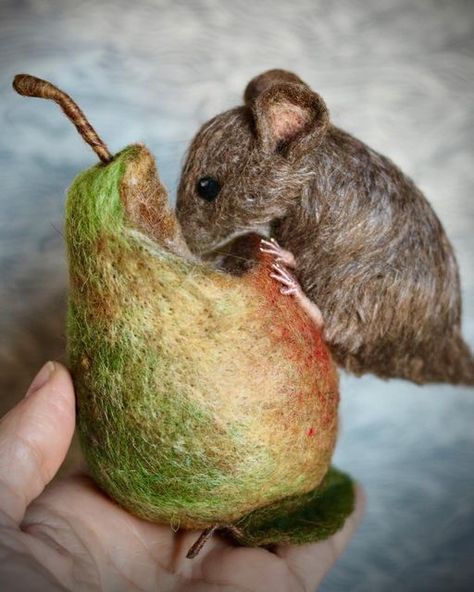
[[398, 74]]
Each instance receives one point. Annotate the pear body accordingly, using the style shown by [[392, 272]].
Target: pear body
[[201, 396]]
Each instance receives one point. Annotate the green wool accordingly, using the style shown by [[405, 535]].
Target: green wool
[[162, 473], [299, 519]]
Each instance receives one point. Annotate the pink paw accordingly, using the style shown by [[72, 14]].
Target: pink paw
[[290, 284], [281, 255]]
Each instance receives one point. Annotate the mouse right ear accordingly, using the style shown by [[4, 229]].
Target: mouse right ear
[[263, 81], [289, 118]]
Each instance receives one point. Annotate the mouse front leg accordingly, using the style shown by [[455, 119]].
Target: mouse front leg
[[281, 255], [291, 287]]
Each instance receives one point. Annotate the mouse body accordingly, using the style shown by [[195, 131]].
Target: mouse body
[[369, 250]]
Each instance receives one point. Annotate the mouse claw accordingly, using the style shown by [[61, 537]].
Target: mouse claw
[[288, 291], [273, 248], [291, 287], [290, 284]]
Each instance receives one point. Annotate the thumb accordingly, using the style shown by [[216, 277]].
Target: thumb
[[34, 439]]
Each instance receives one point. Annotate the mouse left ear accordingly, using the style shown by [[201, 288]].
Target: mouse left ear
[[289, 118]]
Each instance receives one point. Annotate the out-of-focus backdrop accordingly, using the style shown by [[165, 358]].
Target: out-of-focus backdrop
[[396, 73]]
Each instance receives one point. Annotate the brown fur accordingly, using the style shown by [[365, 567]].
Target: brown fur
[[369, 249]]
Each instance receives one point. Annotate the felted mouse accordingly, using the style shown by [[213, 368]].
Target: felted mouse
[[204, 400], [368, 248]]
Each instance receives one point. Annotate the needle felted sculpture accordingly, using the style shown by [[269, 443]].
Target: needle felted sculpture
[[204, 400], [368, 248]]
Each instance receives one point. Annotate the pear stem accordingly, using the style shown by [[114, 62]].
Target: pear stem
[[30, 86], [199, 544]]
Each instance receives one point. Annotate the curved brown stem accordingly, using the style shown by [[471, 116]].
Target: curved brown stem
[[201, 541], [30, 86]]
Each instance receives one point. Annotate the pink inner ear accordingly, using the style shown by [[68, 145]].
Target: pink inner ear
[[287, 121]]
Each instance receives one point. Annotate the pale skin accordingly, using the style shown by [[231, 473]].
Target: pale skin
[[291, 287], [67, 535]]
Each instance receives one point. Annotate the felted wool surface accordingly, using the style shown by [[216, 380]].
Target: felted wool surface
[[398, 74], [201, 396], [300, 519]]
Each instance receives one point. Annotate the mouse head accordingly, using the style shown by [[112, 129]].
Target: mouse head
[[247, 166]]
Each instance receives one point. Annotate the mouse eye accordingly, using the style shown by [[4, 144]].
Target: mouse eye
[[208, 188]]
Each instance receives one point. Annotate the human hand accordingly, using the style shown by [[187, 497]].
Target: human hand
[[71, 536]]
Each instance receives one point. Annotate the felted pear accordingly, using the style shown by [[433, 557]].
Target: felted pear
[[204, 400]]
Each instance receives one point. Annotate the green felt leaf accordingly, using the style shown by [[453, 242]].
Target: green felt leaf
[[296, 520]]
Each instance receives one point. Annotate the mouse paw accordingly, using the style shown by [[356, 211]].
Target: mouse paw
[[291, 287], [290, 284], [282, 255]]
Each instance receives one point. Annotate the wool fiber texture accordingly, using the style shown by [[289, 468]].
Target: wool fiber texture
[[369, 249], [397, 74], [201, 396], [300, 519]]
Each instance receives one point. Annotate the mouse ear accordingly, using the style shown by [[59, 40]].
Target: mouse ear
[[263, 81], [289, 118]]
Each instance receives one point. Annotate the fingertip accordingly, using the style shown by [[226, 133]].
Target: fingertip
[[54, 396], [313, 561], [41, 378], [341, 539], [360, 500], [61, 384], [36, 434], [360, 504]]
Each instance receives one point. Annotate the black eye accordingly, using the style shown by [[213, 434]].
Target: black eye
[[208, 188]]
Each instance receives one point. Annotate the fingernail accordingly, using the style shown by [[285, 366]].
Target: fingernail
[[41, 378]]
